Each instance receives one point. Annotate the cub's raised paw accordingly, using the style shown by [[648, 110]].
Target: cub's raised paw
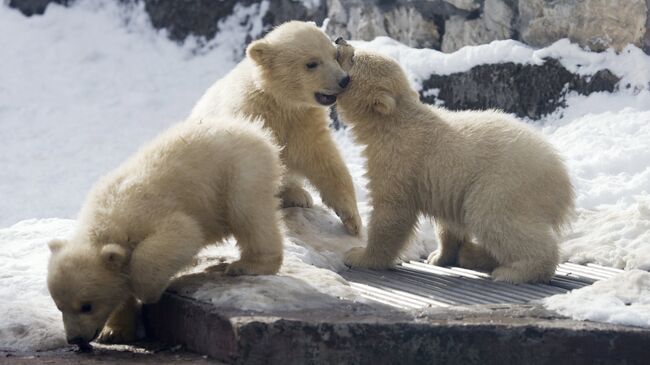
[[357, 257], [296, 197]]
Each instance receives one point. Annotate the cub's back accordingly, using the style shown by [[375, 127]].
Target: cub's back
[[189, 167]]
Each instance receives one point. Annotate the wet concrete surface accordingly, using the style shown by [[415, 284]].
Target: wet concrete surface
[[144, 352]]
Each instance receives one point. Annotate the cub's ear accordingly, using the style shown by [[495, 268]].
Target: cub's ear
[[383, 103], [261, 52], [114, 256], [56, 245], [344, 54]]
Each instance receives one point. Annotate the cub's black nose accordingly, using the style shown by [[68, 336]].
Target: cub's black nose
[[75, 340], [344, 82], [339, 40]]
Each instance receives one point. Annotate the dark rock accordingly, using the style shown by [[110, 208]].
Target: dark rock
[[281, 11], [34, 7], [183, 18], [646, 37], [526, 90]]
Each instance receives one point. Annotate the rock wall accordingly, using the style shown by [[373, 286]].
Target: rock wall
[[441, 24], [530, 91]]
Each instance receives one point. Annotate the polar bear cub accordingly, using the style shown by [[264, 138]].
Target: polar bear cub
[[195, 184], [482, 175], [288, 79]]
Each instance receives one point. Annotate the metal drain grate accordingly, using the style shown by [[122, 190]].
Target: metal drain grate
[[416, 285]]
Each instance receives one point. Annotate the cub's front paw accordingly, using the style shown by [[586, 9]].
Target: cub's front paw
[[296, 197], [358, 257], [351, 221], [112, 335]]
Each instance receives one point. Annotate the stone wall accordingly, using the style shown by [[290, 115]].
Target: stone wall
[[446, 25], [451, 24], [441, 24]]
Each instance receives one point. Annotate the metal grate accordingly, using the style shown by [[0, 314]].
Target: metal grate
[[416, 285]]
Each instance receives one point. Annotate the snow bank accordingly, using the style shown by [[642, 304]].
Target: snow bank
[[632, 64], [83, 87], [605, 140], [623, 299]]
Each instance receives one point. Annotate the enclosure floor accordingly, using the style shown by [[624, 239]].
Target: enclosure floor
[[414, 314], [415, 285]]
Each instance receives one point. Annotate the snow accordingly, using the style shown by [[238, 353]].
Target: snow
[[605, 140], [83, 87], [632, 64], [29, 318], [623, 299]]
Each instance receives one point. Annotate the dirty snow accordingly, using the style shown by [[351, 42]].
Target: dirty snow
[[83, 87]]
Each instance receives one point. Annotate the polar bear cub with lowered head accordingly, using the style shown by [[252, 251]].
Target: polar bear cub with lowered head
[[482, 175], [195, 184]]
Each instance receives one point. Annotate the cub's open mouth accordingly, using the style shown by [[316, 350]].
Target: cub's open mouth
[[325, 99]]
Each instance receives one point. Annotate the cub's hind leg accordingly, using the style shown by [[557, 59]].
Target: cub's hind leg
[[450, 244]]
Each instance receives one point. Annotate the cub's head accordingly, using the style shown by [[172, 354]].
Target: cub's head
[[87, 284], [298, 65], [377, 84]]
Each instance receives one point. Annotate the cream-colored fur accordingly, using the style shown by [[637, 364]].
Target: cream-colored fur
[[194, 185], [275, 84], [482, 175]]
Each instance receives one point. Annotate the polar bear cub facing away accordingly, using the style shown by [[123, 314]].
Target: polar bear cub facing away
[[195, 184], [482, 175]]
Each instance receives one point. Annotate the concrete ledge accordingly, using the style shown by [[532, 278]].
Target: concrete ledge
[[355, 333]]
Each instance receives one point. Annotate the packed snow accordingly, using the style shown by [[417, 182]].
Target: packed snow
[[632, 64], [623, 299], [83, 87]]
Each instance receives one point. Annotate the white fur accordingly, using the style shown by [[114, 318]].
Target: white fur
[[274, 84], [194, 185], [483, 176]]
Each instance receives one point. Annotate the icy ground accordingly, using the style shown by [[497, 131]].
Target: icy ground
[[82, 87]]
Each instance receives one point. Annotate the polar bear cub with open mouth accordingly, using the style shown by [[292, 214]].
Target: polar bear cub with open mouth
[[483, 175]]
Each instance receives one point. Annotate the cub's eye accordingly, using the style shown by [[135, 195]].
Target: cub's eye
[[312, 65], [86, 308]]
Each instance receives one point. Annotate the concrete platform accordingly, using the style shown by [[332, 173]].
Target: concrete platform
[[435, 328], [141, 353]]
